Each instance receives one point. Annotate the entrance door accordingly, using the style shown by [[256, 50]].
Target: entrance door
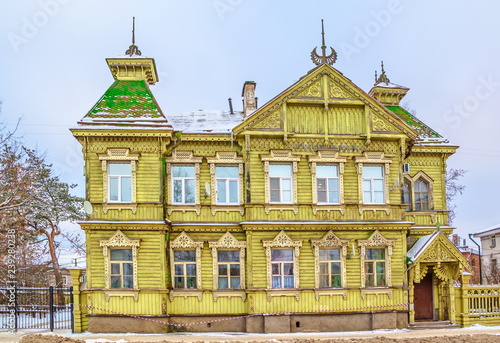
[[423, 303]]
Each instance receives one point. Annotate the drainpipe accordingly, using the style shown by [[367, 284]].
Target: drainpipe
[[480, 259]]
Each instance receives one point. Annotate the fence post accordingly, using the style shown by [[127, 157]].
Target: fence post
[[71, 309], [76, 273], [51, 308]]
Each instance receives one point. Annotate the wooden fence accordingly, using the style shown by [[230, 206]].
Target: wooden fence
[[478, 304]]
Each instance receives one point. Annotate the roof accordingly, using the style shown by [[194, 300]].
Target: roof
[[420, 245], [389, 85], [209, 121], [423, 130], [488, 231], [126, 103]]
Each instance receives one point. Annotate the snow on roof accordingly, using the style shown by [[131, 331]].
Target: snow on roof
[[486, 231], [420, 246], [389, 85], [210, 121]]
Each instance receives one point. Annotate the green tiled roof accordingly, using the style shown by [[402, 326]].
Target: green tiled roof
[[423, 130], [127, 101]]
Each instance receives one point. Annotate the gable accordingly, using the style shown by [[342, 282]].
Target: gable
[[325, 102]]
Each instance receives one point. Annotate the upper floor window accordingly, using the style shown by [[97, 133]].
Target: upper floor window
[[120, 182], [280, 183], [227, 180], [421, 194], [493, 242], [373, 184], [417, 192], [327, 184], [183, 184]]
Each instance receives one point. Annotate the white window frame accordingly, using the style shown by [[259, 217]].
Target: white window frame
[[120, 178], [281, 180], [183, 180], [336, 178], [184, 275], [373, 158], [121, 263], [227, 181], [373, 188], [119, 155], [183, 158], [412, 180]]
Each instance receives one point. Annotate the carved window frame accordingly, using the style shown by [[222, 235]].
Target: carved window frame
[[227, 242], [280, 157], [226, 158], [327, 157], [377, 240], [280, 241], [183, 158], [373, 158], [119, 240], [412, 180], [118, 155], [331, 241]]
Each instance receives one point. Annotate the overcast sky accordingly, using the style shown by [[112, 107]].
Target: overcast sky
[[53, 66]]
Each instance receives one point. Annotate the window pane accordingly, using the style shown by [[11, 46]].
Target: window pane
[[228, 255], [274, 183], [369, 267], [177, 191], [372, 171], [233, 192], [226, 172], [275, 196], [288, 268], [333, 184], [323, 281], [379, 197], [191, 269], [287, 196], [121, 254], [126, 189], [128, 282], [185, 255], [179, 282], [323, 268], [326, 171], [336, 281], [335, 267], [113, 189], [119, 169], [222, 270], [280, 170], [116, 282], [115, 268], [275, 269], [276, 282], [223, 283], [235, 270], [281, 255], [369, 280], [378, 185], [235, 282], [221, 191], [189, 191], [179, 269], [191, 282], [183, 171], [288, 280], [329, 254], [127, 269], [375, 254]]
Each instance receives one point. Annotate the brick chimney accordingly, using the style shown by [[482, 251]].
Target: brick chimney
[[248, 94]]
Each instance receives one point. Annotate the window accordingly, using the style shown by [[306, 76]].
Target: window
[[373, 184], [282, 265], [375, 258], [185, 269], [120, 182], [421, 194], [375, 267], [280, 183], [406, 195], [228, 256], [228, 269], [494, 266], [185, 257], [282, 268], [327, 184], [183, 184], [330, 274], [227, 180], [120, 261], [493, 242], [121, 268]]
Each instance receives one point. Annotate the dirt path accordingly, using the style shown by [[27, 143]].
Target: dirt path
[[475, 334]]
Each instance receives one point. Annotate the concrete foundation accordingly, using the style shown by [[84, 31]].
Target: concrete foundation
[[253, 324]]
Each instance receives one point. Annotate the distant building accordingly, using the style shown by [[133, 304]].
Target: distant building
[[472, 256], [490, 251]]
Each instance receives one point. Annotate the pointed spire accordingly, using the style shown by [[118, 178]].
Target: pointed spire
[[383, 77], [324, 58], [133, 49]]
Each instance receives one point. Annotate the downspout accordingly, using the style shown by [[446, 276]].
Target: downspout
[[480, 260]]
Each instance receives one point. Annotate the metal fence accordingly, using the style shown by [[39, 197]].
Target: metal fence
[[36, 308]]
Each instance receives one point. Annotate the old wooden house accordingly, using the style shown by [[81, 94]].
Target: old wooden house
[[323, 209]]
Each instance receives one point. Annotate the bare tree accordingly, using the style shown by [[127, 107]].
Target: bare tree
[[453, 188]]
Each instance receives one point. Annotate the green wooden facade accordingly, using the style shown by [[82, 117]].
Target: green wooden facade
[[169, 213]]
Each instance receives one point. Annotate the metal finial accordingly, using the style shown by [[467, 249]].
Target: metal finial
[[324, 58], [133, 49], [383, 77]]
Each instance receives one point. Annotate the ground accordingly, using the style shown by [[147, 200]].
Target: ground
[[477, 334]]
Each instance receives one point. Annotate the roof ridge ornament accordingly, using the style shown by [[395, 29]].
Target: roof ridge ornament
[[133, 49], [383, 77], [323, 59]]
